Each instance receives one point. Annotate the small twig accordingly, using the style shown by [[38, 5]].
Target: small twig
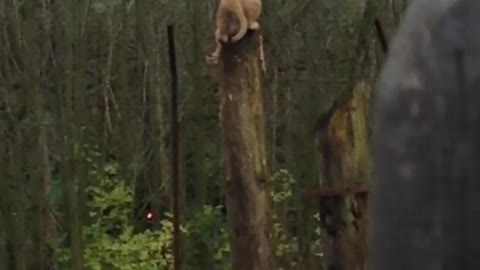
[[114, 101], [107, 111], [262, 56]]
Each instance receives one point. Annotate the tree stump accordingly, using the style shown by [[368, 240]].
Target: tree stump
[[342, 146], [242, 120]]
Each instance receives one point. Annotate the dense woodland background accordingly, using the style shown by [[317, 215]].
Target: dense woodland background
[[84, 111]]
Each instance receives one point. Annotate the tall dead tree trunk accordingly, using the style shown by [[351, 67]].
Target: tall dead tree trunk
[[344, 162], [242, 120], [344, 158]]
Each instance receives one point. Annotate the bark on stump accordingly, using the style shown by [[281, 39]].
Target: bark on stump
[[343, 153], [242, 120]]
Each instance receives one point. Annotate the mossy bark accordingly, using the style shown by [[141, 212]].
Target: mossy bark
[[344, 162]]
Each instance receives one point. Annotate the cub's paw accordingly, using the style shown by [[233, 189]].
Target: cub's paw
[[222, 38], [212, 59], [254, 26]]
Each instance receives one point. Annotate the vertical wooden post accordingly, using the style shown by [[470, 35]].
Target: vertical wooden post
[[175, 150]]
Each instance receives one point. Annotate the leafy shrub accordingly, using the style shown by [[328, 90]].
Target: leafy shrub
[[281, 190], [110, 241], [208, 239]]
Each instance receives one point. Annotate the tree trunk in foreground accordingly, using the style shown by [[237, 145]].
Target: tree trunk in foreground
[[426, 192], [242, 120]]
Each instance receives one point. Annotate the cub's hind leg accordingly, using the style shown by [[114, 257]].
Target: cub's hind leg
[[221, 34], [253, 8]]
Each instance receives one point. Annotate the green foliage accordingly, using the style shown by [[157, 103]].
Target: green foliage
[[129, 251], [110, 241], [111, 202], [281, 186], [43, 118], [281, 190], [209, 236], [282, 183], [317, 244]]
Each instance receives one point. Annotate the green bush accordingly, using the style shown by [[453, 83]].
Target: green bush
[[281, 191], [208, 244], [110, 241]]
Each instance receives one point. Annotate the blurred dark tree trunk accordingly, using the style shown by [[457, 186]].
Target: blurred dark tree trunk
[[43, 78], [426, 190], [69, 88], [4, 235]]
